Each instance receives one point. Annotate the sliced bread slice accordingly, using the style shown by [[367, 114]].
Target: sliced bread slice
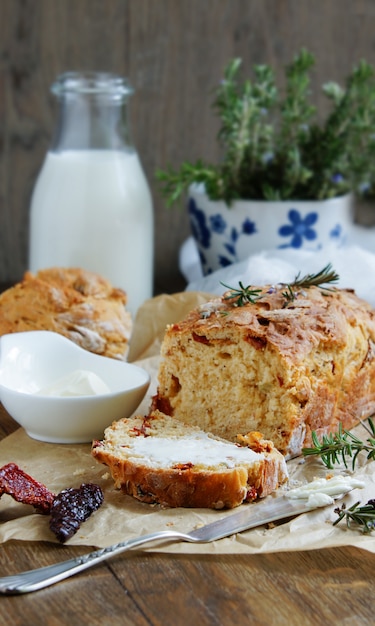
[[158, 459]]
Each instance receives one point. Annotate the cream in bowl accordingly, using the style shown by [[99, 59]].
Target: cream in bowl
[[60, 392]]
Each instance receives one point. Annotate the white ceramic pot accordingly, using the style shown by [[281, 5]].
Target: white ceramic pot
[[226, 235]]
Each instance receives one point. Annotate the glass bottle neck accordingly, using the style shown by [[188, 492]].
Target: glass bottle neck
[[93, 113]]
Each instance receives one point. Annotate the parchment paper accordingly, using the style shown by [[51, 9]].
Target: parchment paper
[[121, 517]]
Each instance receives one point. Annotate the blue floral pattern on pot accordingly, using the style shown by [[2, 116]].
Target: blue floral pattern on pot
[[226, 235], [201, 232], [299, 228], [336, 232], [230, 235]]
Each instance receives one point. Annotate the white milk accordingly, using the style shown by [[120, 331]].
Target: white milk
[[93, 209]]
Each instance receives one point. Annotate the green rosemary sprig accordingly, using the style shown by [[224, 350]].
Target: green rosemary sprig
[[242, 295], [338, 447], [325, 276], [363, 516], [320, 279], [175, 184], [289, 295]]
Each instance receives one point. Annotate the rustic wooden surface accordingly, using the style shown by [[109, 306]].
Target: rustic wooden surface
[[174, 52], [314, 588]]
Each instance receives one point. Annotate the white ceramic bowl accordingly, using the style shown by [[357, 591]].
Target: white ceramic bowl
[[31, 361]]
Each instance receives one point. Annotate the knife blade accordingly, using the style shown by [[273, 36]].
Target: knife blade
[[253, 515]]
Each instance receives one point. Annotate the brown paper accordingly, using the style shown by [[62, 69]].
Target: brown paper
[[121, 517]]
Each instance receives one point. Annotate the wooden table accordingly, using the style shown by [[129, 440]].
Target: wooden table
[[333, 586]]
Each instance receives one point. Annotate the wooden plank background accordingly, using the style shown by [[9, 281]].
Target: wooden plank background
[[173, 52]]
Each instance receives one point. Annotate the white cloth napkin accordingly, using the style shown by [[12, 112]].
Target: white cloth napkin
[[355, 264]]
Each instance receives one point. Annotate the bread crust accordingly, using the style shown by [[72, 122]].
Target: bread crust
[[81, 305], [184, 485], [283, 369]]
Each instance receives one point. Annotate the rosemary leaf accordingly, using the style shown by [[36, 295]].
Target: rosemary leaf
[[242, 295], [363, 516], [325, 276]]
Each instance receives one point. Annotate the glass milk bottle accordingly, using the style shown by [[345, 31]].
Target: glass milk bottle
[[91, 206]]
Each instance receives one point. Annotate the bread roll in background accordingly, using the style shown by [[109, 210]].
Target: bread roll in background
[[81, 305]]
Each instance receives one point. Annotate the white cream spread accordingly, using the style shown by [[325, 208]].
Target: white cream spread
[[319, 499], [321, 491], [198, 449], [77, 383]]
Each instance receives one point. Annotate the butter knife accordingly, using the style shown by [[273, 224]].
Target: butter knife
[[249, 516]]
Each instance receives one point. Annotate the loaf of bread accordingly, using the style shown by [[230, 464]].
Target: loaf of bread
[[285, 364], [158, 459], [78, 304]]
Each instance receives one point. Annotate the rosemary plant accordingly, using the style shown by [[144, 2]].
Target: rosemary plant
[[274, 147], [341, 446]]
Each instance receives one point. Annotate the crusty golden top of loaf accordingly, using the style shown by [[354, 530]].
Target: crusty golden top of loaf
[[314, 317], [78, 304]]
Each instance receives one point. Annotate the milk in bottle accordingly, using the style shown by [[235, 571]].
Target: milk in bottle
[[91, 206]]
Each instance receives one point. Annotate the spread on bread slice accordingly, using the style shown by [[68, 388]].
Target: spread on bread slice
[[158, 459]]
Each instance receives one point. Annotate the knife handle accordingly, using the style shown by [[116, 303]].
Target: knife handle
[[33, 580]]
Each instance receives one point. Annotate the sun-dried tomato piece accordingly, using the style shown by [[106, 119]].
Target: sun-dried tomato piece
[[23, 488], [71, 507], [251, 494]]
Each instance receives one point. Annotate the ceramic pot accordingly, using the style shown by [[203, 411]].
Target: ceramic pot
[[226, 235]]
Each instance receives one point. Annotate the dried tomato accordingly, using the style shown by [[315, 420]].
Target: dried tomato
[[71, 507], [23, 488]]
